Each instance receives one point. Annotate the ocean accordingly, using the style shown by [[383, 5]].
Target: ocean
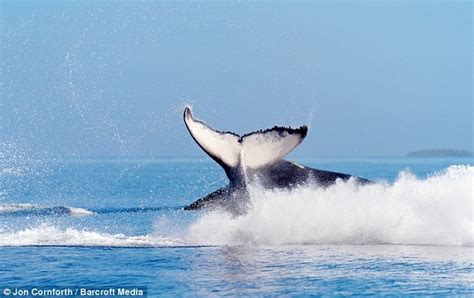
[[114, 222]]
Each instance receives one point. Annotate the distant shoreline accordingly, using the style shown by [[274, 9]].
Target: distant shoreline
[[440, 153]]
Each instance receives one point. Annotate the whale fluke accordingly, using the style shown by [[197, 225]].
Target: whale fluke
[[253, 150], [223, 147]]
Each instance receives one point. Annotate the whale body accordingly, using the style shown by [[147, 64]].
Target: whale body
[[256, 157]]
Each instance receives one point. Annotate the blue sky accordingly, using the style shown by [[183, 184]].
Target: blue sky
[[111, 79]]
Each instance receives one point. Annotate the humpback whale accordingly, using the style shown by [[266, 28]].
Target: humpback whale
[[255, 157]]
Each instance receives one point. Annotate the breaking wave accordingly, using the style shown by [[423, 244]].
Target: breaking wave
[[32, 209], [437, 210], [52, 236]]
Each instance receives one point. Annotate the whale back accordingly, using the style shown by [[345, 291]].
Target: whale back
[[282, 174]]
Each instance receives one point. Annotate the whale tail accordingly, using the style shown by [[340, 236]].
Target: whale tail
[[253, 150]]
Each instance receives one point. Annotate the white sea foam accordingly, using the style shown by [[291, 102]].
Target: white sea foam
[[437, 210], [80, 211], [46, 235]]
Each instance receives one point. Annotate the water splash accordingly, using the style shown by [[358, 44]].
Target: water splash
[[433, 211]]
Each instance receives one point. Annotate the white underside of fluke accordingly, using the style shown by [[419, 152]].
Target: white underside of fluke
[[253, 150]]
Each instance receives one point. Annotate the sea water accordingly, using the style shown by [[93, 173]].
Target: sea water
[[120, 223]]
